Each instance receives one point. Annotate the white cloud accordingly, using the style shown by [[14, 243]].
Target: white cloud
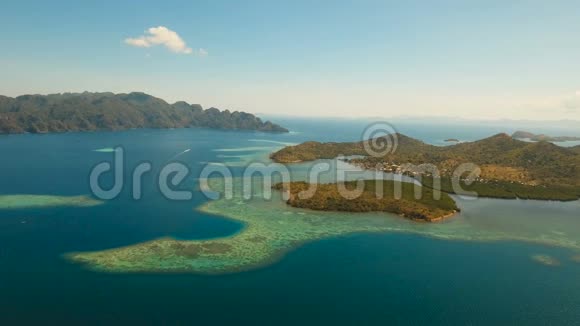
[[161, 36], [203, 53]]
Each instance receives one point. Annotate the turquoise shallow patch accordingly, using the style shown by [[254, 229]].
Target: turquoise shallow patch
[[272, 229], [105, 150], [34, 201]]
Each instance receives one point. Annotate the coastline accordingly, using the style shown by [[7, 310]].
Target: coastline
[[514, 197], [128, 129]]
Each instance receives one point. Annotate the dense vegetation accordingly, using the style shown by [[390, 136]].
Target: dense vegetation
[[509, 167], [327, 197], [504, 189], [312, 150], [108, 111]]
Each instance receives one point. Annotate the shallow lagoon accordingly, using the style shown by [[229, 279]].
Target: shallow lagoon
[[271, 229]]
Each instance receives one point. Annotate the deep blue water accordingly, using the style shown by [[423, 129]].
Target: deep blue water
[[370, 279]]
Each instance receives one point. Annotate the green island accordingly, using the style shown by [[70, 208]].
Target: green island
[[509, 168], [107, 111], [424, 205]]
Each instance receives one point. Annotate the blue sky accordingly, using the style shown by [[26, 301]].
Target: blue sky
[[467, 59]]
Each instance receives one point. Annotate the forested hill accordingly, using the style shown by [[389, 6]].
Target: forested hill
[[107, 111], [500, 157]]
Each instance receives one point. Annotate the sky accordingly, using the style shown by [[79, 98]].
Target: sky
[[459, 59]]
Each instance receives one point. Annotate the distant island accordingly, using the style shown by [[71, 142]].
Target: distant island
[[510, 168], [107, 111], [328, 198], [452, 140], [542, 137]]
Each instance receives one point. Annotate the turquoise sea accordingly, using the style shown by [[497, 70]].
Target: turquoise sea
[[380, 278]]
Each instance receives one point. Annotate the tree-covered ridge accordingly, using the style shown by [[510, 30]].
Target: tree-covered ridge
[[395, 197], [313, 150], [501, 189], [500, 158], [107, 111]]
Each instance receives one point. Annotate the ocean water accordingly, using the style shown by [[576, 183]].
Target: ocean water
[[379, 278]]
